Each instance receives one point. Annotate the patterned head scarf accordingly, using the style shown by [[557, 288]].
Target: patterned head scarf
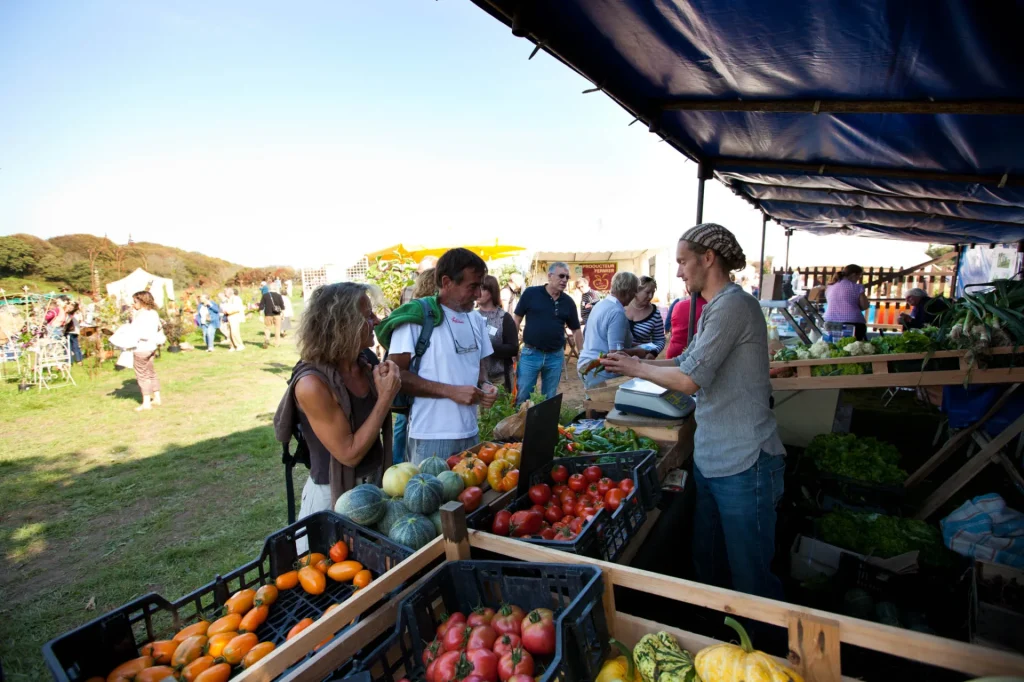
[[720, 240]]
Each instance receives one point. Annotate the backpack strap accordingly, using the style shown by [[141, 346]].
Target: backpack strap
[[425, 333]]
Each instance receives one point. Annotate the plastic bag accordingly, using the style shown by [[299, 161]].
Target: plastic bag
[[513, 428]]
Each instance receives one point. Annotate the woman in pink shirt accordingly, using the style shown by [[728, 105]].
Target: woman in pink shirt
[[681, 325], [847, 302]]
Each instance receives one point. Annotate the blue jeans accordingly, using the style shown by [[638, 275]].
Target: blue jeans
[[209, 335], [76, 349], [545, 364], [420, 450], [401, 432], [734, 527]]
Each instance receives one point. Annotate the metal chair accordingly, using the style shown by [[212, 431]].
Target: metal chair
[[52, 366], [10, 353]]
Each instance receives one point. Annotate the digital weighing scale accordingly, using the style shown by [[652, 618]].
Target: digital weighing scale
[[641, 397]]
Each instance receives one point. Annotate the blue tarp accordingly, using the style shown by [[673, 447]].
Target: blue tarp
[[646, 53]]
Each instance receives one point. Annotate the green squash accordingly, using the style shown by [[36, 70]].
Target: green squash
[[435, 519], [452, 484], [413, 531], [423, 494], [433, 466], [395, 511], [364, 504]]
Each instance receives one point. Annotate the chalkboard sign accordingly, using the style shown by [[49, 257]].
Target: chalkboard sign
[[539, 439]]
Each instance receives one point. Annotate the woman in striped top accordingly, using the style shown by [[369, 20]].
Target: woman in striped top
[[645, 321]]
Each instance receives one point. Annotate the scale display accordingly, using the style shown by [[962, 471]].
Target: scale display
[[641, 397]]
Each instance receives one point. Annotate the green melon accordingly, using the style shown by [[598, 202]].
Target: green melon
[[435, 519], [395, 510], [413, 531], [452, 484], [433, 466], [423, 494], [364, 504]]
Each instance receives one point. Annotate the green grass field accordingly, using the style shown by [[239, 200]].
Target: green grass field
[[100, 504]]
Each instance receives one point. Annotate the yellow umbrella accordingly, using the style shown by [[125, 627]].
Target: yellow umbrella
[[418, 252]]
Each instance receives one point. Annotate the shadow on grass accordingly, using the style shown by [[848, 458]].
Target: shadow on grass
[[279, 369], [71, 533], [129, 390]]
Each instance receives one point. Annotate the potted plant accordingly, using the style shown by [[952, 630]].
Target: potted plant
[[174, 329]]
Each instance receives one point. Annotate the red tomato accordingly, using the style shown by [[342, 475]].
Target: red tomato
[[539, 509], [507, 643], [482, 637], [449, 620], [593, 473], [577, 483], [569, 509], [447, 666], [430, 670], [482, 615], [594, 491], [500, 524], [553, 514], [584, 508], [539, 632], [508, 620], [626, 485], [576, 525], [559, 474], [614, 498], [567, 519], [568, 497], [431, 653], [540, 493], [599, 505], [484, 664], [520, 678], [455, 459], [548, 533], [516, 662], [604, 485], [526, 522], [556, 491], [564, 534], [456, 638], [471, 498]]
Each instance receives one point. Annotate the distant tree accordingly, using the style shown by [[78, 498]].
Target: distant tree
[[935, 250], [16, 257], [52, 267], [79, 277]]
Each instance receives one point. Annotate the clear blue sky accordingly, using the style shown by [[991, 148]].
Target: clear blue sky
[[299, 132]]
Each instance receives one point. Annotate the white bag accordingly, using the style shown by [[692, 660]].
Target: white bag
[[126, 359]]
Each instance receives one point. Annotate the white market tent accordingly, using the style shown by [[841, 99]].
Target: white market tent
[[162, 288]]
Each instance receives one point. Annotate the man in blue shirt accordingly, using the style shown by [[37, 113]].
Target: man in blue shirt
[[548, 310]]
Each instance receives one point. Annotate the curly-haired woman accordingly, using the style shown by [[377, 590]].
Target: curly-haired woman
[[146, 330]]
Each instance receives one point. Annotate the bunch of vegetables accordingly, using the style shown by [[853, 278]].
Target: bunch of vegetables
[[883, 536], [506, 644], [600, 441], [562, 511], [496, 464], [862, 459], [980, 321]]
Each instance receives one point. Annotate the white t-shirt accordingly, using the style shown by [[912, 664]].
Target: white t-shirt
[[440, 418]]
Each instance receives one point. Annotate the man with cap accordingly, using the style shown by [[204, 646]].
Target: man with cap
[[919, 316], [738, 455]]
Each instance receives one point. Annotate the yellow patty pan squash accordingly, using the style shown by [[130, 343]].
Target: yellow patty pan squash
[[731, 663], [620, 668]]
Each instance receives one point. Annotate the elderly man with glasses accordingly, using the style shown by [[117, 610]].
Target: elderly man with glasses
[[548, 310]]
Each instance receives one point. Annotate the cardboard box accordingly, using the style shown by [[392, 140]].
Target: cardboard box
[[995, 625], [810, 558]]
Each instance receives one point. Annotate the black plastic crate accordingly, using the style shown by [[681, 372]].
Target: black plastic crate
[[642, 464], [604, 537], [115, 637], [572, 592]]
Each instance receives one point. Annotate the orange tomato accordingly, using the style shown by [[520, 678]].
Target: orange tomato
[[472, 470], [189, 650], [215, 647], [311, 559], [323, 565], [256, 653], [162, 651], [509, 455], [287, 581], [130, 669], [362, 578], [191, 671], [339, 551], [256, 617], [156, 674], [487, 453], [497, 475], [322, 644], [344, 571], [194, 629], [218, 673], [241, 602], [312, 580], [266, 595], [299, 627], [238, 647], [228, 623]]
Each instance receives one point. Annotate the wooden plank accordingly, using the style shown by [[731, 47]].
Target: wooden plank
[[880, 367], [910, 379], [453, 530], [958, 439], [886, 357], [292, 651], [915, 646], [970, 469], [804, 371], [814, 648], [591, 407]]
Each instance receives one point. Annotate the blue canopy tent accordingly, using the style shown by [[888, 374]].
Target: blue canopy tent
[[886, 118]]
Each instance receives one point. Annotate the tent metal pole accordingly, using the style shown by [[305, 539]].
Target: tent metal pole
[[789, 233], [692, 326], [760, 265]]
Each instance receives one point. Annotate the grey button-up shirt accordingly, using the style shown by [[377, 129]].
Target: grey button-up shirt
[[728, 359]]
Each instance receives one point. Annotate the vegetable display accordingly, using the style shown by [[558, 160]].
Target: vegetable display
[[731, 663], [600, 441], [862, 459], [883, 536], [659, 658]]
